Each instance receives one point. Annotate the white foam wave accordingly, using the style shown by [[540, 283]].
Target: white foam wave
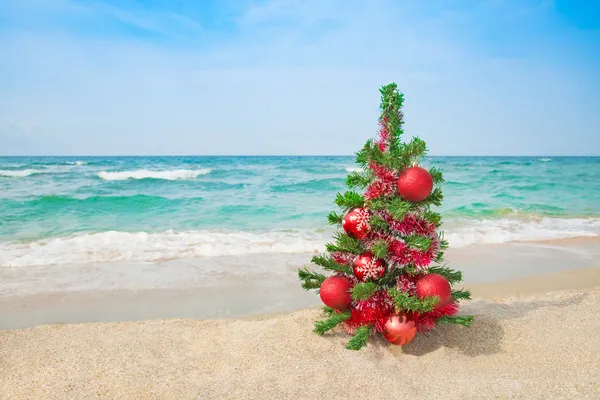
[[170, 175], [23, 173], [20, 173], [465, 232], [353, 169], [169, 245], [124, 246], [77, 162], [544, 159]]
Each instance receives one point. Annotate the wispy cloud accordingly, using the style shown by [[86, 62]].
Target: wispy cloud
[[280, 77], [169, 24]]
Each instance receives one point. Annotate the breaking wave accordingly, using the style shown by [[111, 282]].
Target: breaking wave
[[171, 175]]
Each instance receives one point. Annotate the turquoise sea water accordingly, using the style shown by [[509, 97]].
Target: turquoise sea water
[[94, 209]]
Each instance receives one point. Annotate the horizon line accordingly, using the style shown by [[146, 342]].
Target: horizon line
[[283, 155]]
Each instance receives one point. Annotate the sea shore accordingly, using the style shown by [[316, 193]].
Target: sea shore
[[535, 336]]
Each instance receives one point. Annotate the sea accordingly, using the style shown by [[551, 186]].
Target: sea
[[80, 210]]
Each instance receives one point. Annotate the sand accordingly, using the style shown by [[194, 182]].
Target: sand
[[534, 346]]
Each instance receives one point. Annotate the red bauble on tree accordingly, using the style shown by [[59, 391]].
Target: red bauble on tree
[[399, 330], [356, 223], [434, 285], [368, 267], [335, 292], [415, 184]]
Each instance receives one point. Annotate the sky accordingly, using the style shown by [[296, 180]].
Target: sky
[[297, 77]]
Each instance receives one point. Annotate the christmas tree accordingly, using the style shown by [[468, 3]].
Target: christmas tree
[[387, 261]]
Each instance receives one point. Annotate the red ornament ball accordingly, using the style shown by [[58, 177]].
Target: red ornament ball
[[335, 292], [432, 285], [356, 223], [399, 330], [367, 266], [415, 184]]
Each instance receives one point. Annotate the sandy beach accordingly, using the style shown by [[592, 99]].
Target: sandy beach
[[535, 343]]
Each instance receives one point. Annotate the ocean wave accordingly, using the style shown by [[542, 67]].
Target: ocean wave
[[77, 163], [171, 175], [115, 246], [137, 200], [311, 186], [544, 159], [465, 232], [23, 173], [45, 169], [353, 169], [152, 247]]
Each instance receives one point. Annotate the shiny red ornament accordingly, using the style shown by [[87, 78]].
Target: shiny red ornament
[[415, 184], [335, 292], [431, 285], [368, 267], [399, 330], [356, 223]]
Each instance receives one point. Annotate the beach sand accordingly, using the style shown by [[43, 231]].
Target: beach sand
[[526, 345]]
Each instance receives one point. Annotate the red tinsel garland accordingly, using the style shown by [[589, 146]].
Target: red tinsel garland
[[384, 184], [411, 225], [426, 321], [343, 258], [407, 285], [384, 134], [374, 311]]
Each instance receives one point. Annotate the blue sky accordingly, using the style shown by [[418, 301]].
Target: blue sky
[[497, 77]]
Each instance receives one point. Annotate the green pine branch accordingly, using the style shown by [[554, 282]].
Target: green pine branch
[[334, 218], [330, 264], [360, 338], [370, 153], [451, 275], [443, 243], [391, 276], [435, 198], [462, 294], [378, 204], [363, 291], [433, 217], [464, 320], [345, 244], [396, 206], [399, 207], [439, 258], [328, 311], [436, 174], [380, 249], [391, 104], [362, 156], [310, 280], [395, 159], [418, 242], [413, 151], [412, 303], [378, 224], [349, 200], [359, 180], [328, 324]]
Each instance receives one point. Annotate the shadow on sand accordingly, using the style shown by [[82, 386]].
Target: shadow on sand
[[485, 335]]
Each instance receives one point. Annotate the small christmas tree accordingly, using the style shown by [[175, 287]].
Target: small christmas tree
[[388, 261]]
